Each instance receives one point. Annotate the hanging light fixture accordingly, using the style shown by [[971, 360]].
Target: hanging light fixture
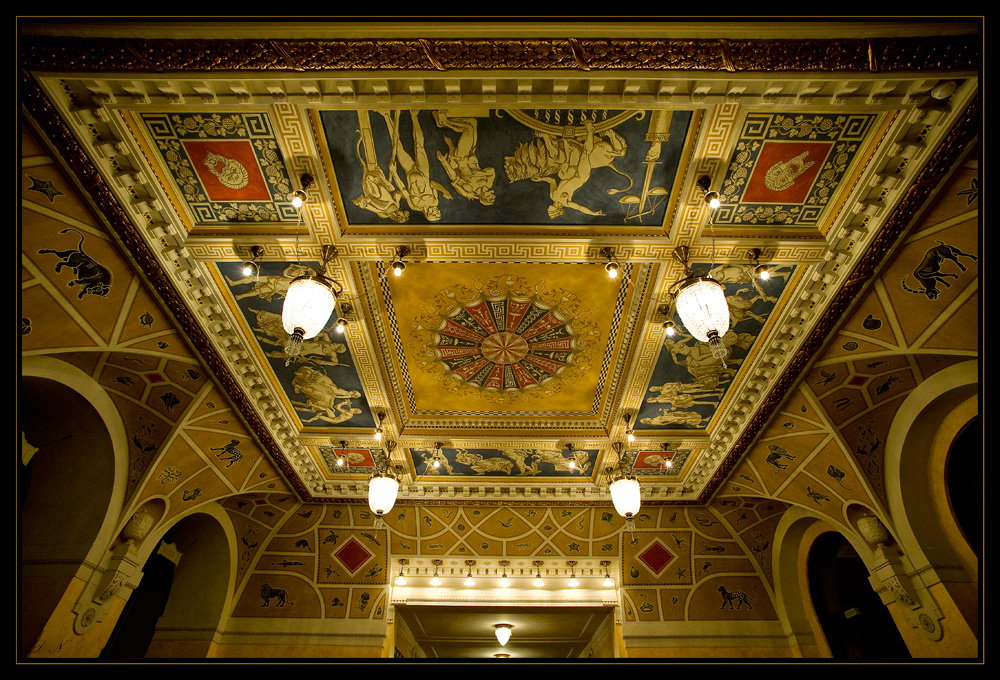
[[538, 574], [382, 487], [625, 493], [309, 302], [401, 580], [504, 581], [345, 309], [502, 631], [469, 581], [436, 581], [573, 583], [379, 417], [701, 303]]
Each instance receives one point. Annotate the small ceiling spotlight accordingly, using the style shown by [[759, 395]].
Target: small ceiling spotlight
[[608, 581], [398, 265], [573, 583], [341, 457], [378, 427], [299, 196], [469, 581], [345, 309], [401, 580], [435, 581], [251, 267], [667, 311], [612, 266], [504, 581], [629, 433], [711, 197], [760, 270], [667, 463], [572, 460], [502, 631], [538, 574]]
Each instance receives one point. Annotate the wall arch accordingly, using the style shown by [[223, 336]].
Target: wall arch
[[73, 485], [202, 543], [917, 448]]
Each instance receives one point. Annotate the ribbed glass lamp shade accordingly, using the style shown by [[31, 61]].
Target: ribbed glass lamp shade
[[382, 490], [308, 306], [625, 496], [703, 308]]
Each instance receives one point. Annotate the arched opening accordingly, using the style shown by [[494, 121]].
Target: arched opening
[[964, 475], [178, 605], [135, 627], [856, 623], [66, 488]]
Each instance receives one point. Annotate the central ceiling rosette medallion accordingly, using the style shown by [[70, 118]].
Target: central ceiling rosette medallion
[[504, 339]]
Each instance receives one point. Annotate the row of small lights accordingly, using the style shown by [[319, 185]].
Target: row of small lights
[[504, 581]]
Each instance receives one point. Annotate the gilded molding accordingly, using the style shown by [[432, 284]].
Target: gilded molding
[[948, 53]]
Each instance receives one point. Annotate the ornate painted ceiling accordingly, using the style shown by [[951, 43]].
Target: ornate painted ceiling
[[508, 173]]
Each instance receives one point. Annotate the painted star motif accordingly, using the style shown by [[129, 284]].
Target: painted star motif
[[44, 186], [972, 193]]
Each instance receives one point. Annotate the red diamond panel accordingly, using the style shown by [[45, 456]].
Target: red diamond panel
[[656, 557], [352, 555]]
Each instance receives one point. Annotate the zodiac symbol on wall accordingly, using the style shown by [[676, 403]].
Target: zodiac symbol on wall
[[467, 177], [322, 397], [646, 605], [94, 278], [570, 159], [740, 597], [928, 273], [838, 475], [419, 190], [229, 171], [776, 454], [229, 452], [267, 592]]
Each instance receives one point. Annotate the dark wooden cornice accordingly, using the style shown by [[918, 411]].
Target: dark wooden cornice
[[853, 55]]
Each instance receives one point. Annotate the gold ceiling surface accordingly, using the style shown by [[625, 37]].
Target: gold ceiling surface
[[509, 172]]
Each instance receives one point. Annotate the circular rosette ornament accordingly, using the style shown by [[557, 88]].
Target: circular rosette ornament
[[505, 344]]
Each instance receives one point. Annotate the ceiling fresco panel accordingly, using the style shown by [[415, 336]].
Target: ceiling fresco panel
[[321, 385], [225, 168], [559, 167]]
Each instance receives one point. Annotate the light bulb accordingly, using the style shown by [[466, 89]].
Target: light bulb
[[504, 581], [763, 273], [340, 460], [341, 325], [630, 435], [298, 198], [435, 581], [669, 463], [608, 581], [400, 580], [247, 270], [469, 581], [378, 434], [436, 463], [572, 464], [612, 269], [573, 583], [538, 581]]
